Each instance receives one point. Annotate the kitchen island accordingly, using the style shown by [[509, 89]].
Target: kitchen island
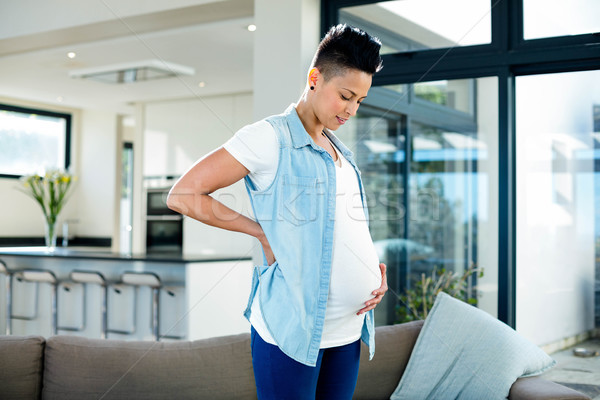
[[203, 295]]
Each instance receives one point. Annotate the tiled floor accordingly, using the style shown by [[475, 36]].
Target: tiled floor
[[579, 373]]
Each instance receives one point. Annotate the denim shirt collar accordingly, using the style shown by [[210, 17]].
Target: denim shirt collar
[[301, 138]]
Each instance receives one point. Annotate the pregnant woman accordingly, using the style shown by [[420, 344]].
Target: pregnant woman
[[311, 302]]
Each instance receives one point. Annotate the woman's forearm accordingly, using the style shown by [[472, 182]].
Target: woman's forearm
[[191, 194], [206, 209]]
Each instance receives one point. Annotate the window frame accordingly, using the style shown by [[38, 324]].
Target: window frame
[[507, 56], [68, 124]]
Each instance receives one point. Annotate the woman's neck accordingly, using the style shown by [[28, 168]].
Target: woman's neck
[[308, 118]]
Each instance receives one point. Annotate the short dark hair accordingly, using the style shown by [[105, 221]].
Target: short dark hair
[[346, 47]]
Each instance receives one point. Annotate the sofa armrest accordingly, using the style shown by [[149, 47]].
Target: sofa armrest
[[536, 388]]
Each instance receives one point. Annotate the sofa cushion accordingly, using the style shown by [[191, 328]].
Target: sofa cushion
[[215, 368], [464, 353], [378, 378], [21, 366]]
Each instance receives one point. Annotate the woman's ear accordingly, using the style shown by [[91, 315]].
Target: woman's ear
[[314, 76]]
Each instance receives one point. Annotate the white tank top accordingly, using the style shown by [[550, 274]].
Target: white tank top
[[355, 272]]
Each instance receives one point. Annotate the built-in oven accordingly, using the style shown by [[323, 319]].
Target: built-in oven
[[156, 202], [164, 234], [164, 227]]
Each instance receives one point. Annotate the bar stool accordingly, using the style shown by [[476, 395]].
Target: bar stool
[[8, 276], [137, 280], [170, 288], [86, 278], [38, 276]]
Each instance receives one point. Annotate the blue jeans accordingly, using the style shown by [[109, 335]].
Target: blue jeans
[[280, 377]]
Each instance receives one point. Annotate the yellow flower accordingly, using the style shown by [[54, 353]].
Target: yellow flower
[[48, 190]]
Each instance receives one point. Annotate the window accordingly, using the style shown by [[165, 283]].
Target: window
[[558, 204], [456, 93], [453, 192], [429, 166], [410, 25], [32, 141], [559, 18]]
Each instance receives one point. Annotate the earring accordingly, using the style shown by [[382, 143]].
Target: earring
[[312, 88]]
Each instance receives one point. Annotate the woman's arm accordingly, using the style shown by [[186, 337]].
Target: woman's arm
[[190, 196]]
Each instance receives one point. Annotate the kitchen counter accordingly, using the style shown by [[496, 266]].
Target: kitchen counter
[[195, 289], [102, 253]]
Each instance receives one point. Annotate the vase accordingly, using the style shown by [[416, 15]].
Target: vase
[[50, 235]]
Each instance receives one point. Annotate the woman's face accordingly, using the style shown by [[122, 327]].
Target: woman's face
[[337, 99]]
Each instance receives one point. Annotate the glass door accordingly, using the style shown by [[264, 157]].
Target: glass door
[[452, 179], [558, 205], [428, 157], [126, 208]]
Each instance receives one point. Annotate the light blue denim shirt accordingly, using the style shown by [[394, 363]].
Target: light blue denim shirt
[[297, 213]]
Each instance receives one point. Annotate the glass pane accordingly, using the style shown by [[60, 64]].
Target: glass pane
[[126, 201], [437, 207], [558, 205], [31, 143], [409, 25], [453, 199], [544, 18], [456, 94], [397, 89]]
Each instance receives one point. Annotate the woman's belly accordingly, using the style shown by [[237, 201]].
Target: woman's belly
[[355, 272]]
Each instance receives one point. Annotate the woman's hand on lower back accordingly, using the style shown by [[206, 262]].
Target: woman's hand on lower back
[[267, 249]]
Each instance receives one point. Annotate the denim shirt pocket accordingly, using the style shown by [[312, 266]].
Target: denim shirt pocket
[[298, 202]]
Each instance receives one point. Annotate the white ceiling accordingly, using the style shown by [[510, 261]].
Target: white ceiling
[[221, 53]]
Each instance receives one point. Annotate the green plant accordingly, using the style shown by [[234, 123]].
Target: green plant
[[49, 191], [417, 301]]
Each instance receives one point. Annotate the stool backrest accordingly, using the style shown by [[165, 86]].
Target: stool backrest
[[35, 275], [140, 279], [87, 277]]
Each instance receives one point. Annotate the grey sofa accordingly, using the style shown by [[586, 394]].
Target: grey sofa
[[70, 367]]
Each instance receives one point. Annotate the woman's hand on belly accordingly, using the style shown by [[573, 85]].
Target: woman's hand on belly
[[378, 293]]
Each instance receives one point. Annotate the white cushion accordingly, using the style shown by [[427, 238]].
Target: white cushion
[[464, 353]]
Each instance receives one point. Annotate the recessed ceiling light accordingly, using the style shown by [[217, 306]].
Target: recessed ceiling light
[[133, 72], [251, 27], [202, 84], [71, 54], [60, 99]]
